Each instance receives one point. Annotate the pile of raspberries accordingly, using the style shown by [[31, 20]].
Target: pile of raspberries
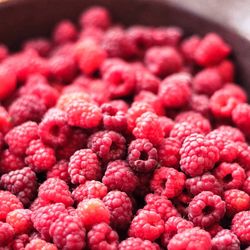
[[115, 138]]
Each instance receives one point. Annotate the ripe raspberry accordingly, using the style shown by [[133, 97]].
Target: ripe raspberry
[[41, 45], [132, 243], [211, 50], [19, 137], [3, 52], [38, 244], [194, 238], [246, 185], [39, 156], [108, 145], [160, 205], [65, 236], [5, 120], [8, 203], [119, 176], [83, 166], [198, 155], [231, 133], [148, 127], [237, 91], [167, 182], [214, 229], [20, 220], [182, 201], [167, 125], [142, 156], [173, 226], [20, 242], [174, 91], [206, 208], [226, 70], [60, 170], [145, 81], [200, 103], [91, 189], [21, 183], [231, 175], [10, 162], [101, 236], [6, 234], [241, 227], [92, 211], [163, 61], [146, 225], [83, 114], [55, 190], [120, 208], [27, 108], [38, 203], [189, 45]]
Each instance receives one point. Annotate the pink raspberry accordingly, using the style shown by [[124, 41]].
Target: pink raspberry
[[200, 103], [5, 120], [189, 46], [214, 229], [6, 234], [38, 244], [41, 45], [243, 156], [231, 133], [167, 125], [38, 203], [237, 91], [226, 70], [132, 243], [145, 81], [246, 185], [60, 170], [20, 242]]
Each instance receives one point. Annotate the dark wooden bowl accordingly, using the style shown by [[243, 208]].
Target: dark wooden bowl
[[22, 19]]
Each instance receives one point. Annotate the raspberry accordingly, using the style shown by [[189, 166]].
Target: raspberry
[[20, 242], [206, 208], [160, 205], [163, 61], [214, 229], [101, 236], [8, 203], [83, 114], [68, 233], [231, 133], [198, 155], [5, 120], [246, 185], [226, 70], [143, 186], [108, 145], [10, 162], [174, 91], [40, 45], [173, 226], [38, 203], [211, 50], [120, 104], [118, 175], [93, 33], [20, 220], [146, 81], [199, 103], [236, 201], [3, 52], [236, 91], [60, 170], [6, 234], [241, 227], [22, 183], [43, 217], [8, 82], [39, 156], [83, 166], [167, 182], [194, 238], [205, 182], [55, 190], [146, 225], [231, 175], [148, 127], [91, 189], [120, 208], [142, 156], [189, 45], [92, 211], [38, 244], [53, 129], [225, 240], [132, 243], [167, 125]]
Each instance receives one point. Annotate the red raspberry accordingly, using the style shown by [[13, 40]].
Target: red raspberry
[[194, 238], [163, 61], [39, 156], [102, 237], [132, 243], [20, 220], [231, 133], [167, 125], [236, 91], [118, 175], [226, 70], [41, 45], [60, 170], [225, 240], [206, 208], [43, 217], [167, 182], [246, 185], [83, 166], [20, 242], [55, 190], [38, 244], [198, 155], [68, 233], [146, 81], [142, 156], [4, 52], [19, 137], [243, 157], [83, 114], [181, 202], [6, 234], [10, 162], [174, 91], [119, 104], [8, 203], [93, 33], [53, 129], [211, 50], [146, 225], [92, 211], [38, 203], [91, 189], [200, 103], [160, 205], [205, 182], [27, 108], [5, 120], [173, 226], [120, 208], [231, 175], [22, 183], [214, 229], [189, 46], [148, 127]]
